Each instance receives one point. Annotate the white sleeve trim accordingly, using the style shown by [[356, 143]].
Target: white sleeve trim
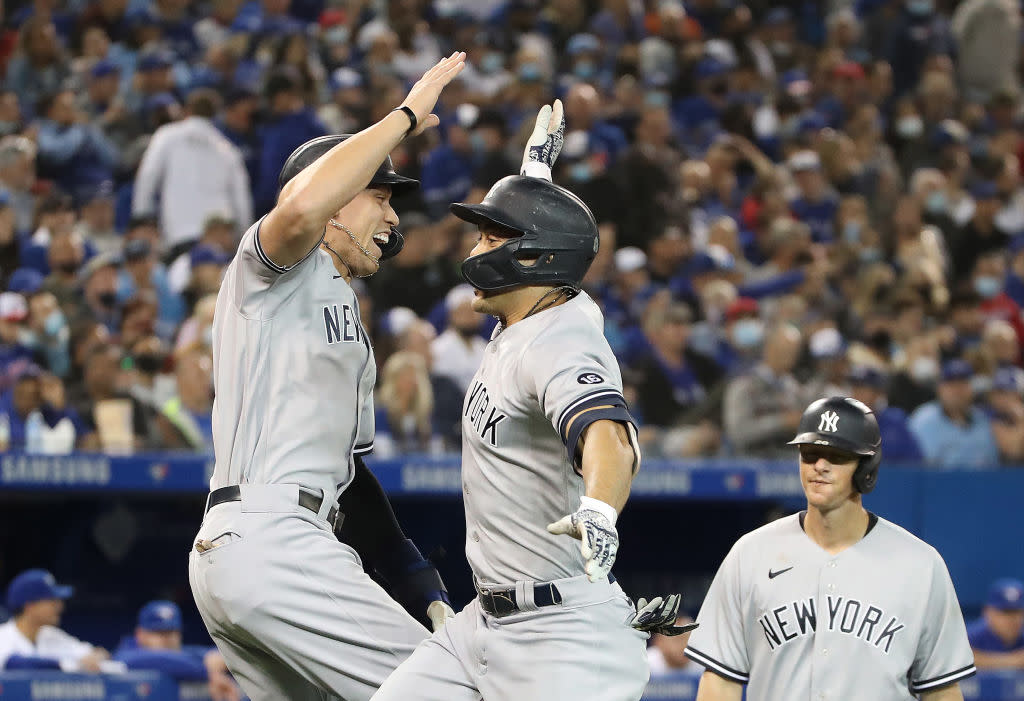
[[716, 666], [943, 679]]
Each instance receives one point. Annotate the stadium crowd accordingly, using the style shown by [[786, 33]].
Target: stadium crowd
[[795, 198]]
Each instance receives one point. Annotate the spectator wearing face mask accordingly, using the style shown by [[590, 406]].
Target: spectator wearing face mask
[[98, 284], [745, 334], [914, 383], [1005, 406], [988, 279]]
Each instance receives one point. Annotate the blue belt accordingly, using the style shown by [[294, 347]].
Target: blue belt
[[502, 602]]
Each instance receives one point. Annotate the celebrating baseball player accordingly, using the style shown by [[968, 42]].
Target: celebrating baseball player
[[549, 452], [288, 605], [833, 602]]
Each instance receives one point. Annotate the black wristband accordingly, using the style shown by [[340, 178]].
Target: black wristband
[[411, 115]]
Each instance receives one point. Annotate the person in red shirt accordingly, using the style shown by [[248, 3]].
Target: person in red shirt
[[988, 278]]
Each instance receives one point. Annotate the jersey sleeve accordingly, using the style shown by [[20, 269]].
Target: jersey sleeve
[[253, 270], [577, 382], [367, 416], [719, 642], [944, 653]]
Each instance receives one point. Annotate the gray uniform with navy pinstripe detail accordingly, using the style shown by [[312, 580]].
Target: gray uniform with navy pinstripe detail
[[293, 371], [880, 620], [289, 607]]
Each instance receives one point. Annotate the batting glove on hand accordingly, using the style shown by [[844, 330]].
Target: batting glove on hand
[[439, 612], [545, 142], [593, 525], [659, 616]]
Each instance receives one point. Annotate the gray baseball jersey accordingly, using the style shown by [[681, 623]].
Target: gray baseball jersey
[[542, 381], [290, 607], [293, 373], [880, 620]]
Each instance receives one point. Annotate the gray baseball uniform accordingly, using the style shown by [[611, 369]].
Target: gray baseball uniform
[[541, 382], [288, 605], [878, 621]]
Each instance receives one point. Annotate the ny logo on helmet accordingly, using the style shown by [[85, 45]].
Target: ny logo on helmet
[[829, 422]]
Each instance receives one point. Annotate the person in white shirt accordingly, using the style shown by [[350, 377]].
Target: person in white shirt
[[194, 171], [457, 352], [665, 653], [32, 640]]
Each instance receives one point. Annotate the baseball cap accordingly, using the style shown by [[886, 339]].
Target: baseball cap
[[580, 43], [1008, 379], [743, 305], [804, 160], [25, 280], [34, 585], [849, 69], [867, 376], [201, 255], [1006, 595], [97, 263], [345, 77], [155, 60], [104, 68], [984, 190], [160, 616], [956, 369], [826, 343], [13, 307], [629, 259]]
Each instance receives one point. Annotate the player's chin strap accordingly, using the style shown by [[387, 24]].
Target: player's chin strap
[[361, 247]]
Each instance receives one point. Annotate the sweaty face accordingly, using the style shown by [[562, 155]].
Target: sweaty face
[[368, 215], [827, 476]]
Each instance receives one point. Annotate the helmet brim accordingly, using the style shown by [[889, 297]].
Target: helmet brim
[[483, 213], [399, 183], [830, 441]]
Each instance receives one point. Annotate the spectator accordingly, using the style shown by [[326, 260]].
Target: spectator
[[1006, 408], [869, 385], [98, 281], [40, 65], [762, 406], [119, 423], [665, 654], [405, 406], [17, 176], [827, 350], [151, 384], [417, 335], [51, 332], [32, 638], [674, 380], [144, 274], [96, 223], [15, 351], [66, 254], [988, 277], [194, 171], [997, 638], [10, 248], [208, 265], [979, 235], [186, 420], [156, 645], [987, 34], [219, 234], [951, 431], [457, 352], [815, 204]]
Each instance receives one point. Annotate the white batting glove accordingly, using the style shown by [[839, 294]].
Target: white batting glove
[[439, 612], [593, 525], [545, 142]]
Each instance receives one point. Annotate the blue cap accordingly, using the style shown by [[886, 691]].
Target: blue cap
[[104, 68], [160, 616], [580, 43], [27, 281], [1008, 379], [346, 77], [159, 101], [984, 190], [867, 376], [155, 60], [780, 15], [34, 585], [812, 121], [1006, 595], [208, 254], [710, 68], [956, 369]]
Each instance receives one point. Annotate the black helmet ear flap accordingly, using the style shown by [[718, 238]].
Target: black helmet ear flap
[[865, 477], [394, 245]]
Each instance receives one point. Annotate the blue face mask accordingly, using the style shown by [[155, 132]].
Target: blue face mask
[[581, 172], [869, 255], [477, 142], [988, 286], [529, 72], [748, 333], [492, 62], [584, 69], [935, 203], [54, 323], [910, 127], [851, 231], [337, 35]]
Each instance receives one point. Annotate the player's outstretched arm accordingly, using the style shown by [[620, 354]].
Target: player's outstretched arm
[[946, 693], [608, 466], [369, 526], [312, 197], [715, 688]]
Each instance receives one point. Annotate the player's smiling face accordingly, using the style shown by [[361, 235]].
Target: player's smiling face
[[827, 476], [370, 216]]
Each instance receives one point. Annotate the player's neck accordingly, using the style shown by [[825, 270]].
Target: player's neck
[[30, 629], [836, 529], [530, 301]]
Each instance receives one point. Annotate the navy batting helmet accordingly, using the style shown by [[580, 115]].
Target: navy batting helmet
[[314, 148], [546, 222], [848, 425]]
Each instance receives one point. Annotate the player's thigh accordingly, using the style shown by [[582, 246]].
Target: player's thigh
[[262, 676], [586, 653], [444, 666]]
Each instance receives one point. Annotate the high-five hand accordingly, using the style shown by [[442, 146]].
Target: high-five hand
[[423, 96], [545, 142]]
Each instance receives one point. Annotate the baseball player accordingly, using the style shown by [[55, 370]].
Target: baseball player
[[549, 451], [289, 606], [833, 602]]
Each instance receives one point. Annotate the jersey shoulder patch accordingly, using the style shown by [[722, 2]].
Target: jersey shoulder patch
[[590, 378]]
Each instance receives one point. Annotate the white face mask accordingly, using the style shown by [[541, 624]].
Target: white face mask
[[924, 369]]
